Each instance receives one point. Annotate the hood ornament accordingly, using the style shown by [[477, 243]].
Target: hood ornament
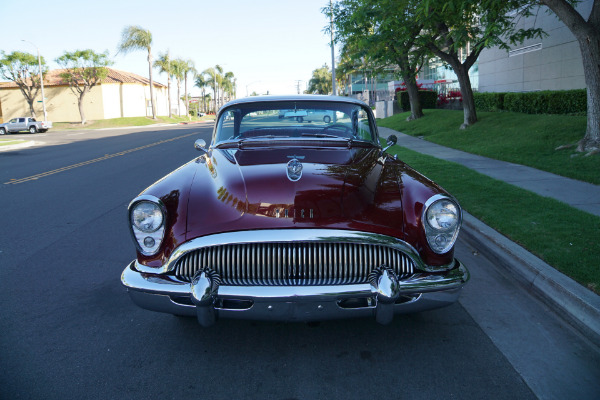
[[294, 170]]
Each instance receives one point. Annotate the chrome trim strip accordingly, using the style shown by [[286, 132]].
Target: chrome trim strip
[[418, 283], [351, 263], [292, 235]]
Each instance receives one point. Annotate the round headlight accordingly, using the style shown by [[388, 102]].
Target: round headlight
[[147, 216], [442, 223], [442, 215]]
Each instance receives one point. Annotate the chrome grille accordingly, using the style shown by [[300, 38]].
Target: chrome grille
[[293, 264]]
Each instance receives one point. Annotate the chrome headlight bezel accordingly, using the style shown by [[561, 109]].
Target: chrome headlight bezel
[[441, 239], [147, 241]]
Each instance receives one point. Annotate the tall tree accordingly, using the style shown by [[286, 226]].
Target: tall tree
[[164, 66], [133, 38], [587, 33], [188, 67], [84, 69], [216, 78], [178, 66], [219, 82], [23, 70], [457, 31], [320, 83], [228, 83], [384, 32], [202, 82]]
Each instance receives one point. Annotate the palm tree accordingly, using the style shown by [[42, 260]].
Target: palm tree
[[134, 37], [207, 99], [164, 65], [178, 72], [219, 83], [202, 82], [188, 66], [228, 84], [214, 79]]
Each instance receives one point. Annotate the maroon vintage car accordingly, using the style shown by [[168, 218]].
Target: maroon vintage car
[[294, 220]]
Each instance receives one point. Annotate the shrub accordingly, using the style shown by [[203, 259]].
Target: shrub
[[547, 102], [489, 101], [428, 99]]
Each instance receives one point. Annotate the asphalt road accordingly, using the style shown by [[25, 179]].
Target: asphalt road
[[69, 330]]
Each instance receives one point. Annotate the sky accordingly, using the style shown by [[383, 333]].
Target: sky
[[269, 45]]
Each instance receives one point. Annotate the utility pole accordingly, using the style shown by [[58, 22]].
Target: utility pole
[[298, 85], [334, 91]]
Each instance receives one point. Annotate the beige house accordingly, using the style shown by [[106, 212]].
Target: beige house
[[120, 94]]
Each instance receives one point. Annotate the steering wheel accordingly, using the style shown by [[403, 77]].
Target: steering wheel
[[345, 128]]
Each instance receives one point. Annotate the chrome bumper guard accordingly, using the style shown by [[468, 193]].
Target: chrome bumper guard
[[207, 299]]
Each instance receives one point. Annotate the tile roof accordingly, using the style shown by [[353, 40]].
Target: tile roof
[[52, 78]]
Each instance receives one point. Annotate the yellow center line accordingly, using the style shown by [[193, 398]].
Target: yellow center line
[[81, 164]]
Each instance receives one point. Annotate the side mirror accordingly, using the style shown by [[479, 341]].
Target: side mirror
[[200, 145], [391, 140]]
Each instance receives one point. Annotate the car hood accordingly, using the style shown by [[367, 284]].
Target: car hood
[[242, 189]]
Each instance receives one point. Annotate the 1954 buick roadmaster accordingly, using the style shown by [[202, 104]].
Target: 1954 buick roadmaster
[[294, 219]]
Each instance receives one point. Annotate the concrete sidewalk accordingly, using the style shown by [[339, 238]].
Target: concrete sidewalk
[[582, 195], [576, 304]]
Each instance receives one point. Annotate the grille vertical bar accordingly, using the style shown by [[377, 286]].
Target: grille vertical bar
[[293, 264]]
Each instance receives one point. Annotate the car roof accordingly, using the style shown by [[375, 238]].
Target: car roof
[[298, 97]]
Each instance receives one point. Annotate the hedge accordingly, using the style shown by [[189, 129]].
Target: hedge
[[428, 99], [489, 101], [543, 102]]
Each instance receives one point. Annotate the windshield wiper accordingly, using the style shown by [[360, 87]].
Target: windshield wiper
[[323, 135]]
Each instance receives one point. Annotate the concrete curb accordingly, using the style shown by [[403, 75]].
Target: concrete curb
[[576, 304], [23, 145]]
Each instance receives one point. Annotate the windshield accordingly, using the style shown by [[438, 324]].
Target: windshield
[[295, 119]]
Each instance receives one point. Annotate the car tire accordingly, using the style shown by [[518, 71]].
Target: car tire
[[3, 131], [32, 129], [327, 119], [299, 119]]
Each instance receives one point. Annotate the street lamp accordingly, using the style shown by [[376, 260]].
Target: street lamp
[[41, 78]]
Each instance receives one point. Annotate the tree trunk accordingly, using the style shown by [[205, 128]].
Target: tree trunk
[[215, 99], [178, 97], [31, 110], [590, 53], [416, 110], [169, 94], [80, 104], [587, 34], [81, 113], [187, 103], [470, 114], [151, 84]]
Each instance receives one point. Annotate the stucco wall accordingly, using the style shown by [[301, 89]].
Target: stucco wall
[[110, 100], [61, 104], [551, 63]]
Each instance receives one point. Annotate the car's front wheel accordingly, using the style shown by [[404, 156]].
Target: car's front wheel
[[327, 119], [3, 131], [32, 129]]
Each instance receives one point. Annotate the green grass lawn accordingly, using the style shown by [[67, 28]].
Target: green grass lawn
[[564, 237], [519, 138], [124, 122]]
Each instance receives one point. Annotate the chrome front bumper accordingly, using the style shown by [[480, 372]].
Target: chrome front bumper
[[205, 298]]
